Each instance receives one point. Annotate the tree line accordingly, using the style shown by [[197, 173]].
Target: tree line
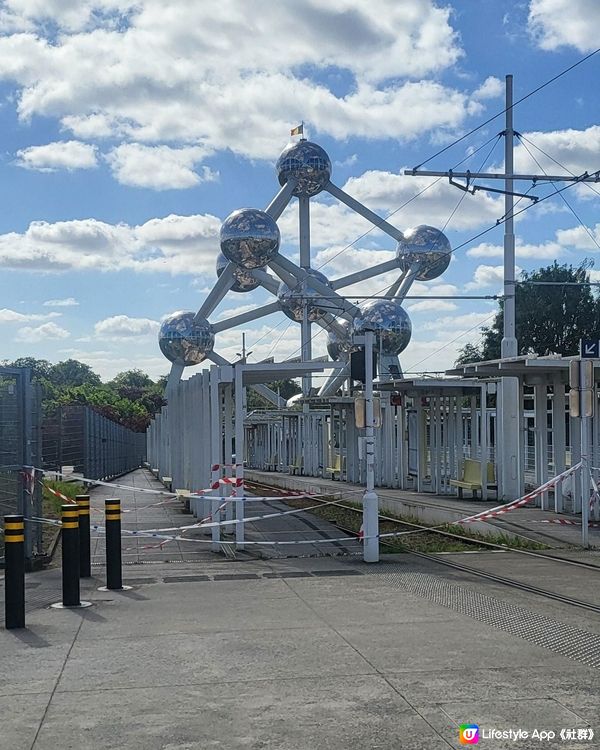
[[131, 398], [555, 307]]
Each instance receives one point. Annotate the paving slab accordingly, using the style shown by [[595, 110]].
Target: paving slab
[[178, 659], [30, 709], [293, 714], [525, 715], [212, 613]]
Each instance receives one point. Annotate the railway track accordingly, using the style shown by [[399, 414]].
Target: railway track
[[435, 558]]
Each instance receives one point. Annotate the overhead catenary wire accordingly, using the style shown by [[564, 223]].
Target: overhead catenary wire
[[494, 138], [565, 201], [428, 264], [514, 104], [467, 135]]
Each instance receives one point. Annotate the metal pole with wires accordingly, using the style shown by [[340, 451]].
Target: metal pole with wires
[[370, 499]]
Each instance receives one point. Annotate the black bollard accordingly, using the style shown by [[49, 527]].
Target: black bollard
[[114, 576], [14, 577], [85, 560], [70, 556]]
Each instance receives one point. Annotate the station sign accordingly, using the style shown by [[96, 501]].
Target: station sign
[[589, 348]]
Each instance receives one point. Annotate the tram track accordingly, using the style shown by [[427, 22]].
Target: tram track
[[437, 559]]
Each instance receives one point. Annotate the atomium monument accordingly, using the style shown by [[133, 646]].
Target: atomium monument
[[250, 257]]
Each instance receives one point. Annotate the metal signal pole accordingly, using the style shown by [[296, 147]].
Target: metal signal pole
[[509, 437]]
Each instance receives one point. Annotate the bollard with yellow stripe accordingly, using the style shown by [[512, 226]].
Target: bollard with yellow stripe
[[85, 558], [70, 558], [114, 574], [14, 575]]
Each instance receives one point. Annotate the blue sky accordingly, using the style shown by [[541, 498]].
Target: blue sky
[[131, 129]]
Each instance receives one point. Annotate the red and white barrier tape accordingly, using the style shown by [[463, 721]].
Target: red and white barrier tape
[[56, 493], [519, 502], [250, 519], [565, 522]]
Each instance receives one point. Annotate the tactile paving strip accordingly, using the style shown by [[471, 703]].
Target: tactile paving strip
[[576, 644]]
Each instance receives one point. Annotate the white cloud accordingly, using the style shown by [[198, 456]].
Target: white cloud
[[124, 327], [556, 23], [576, 152], [68, 155], [158, 167], [45, 332], [431, 305], [200, 73], [434, 355], [231, 312], [69, 14], [486, 276], [491, 88], [545, 250], [347, 162], [67, 302], [580, 238], [173, 244], [436, 203], [463, 322], [330, 224], [12, 316]]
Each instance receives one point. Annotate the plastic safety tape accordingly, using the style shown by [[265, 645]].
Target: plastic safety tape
[[519, 502], [261, 543], [565, 522], [233, 522]]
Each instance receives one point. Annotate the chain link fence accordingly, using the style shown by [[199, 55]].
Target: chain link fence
[[73, 439], [96, 447], [20, 447]]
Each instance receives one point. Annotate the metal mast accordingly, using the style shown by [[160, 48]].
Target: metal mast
[[509, 433]]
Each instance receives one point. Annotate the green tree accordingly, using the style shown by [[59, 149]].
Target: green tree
[[549, 319], [132, 379], [73, 373], [40, 368], [469, 353]]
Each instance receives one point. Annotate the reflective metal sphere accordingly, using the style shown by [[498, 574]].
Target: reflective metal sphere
[[243, 280], [338, 345], [308, 164], [426, 246], [249, 238], [184, 341], [293, 300], [390, 322]]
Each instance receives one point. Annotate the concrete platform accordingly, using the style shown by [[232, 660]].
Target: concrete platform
[[530, 522], [296, 655]]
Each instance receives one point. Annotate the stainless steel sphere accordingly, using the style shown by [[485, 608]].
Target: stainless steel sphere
[[340, 344], [249, 238], [243, 279], [390, 322], [426, 246], [293, 300], [308, 164], [185, 341]]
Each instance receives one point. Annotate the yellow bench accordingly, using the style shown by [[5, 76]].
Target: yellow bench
[[296, 467], [471, 477], [336, 468]]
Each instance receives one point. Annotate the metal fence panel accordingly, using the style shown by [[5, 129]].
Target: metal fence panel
[[96, 447], [20, 489]]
